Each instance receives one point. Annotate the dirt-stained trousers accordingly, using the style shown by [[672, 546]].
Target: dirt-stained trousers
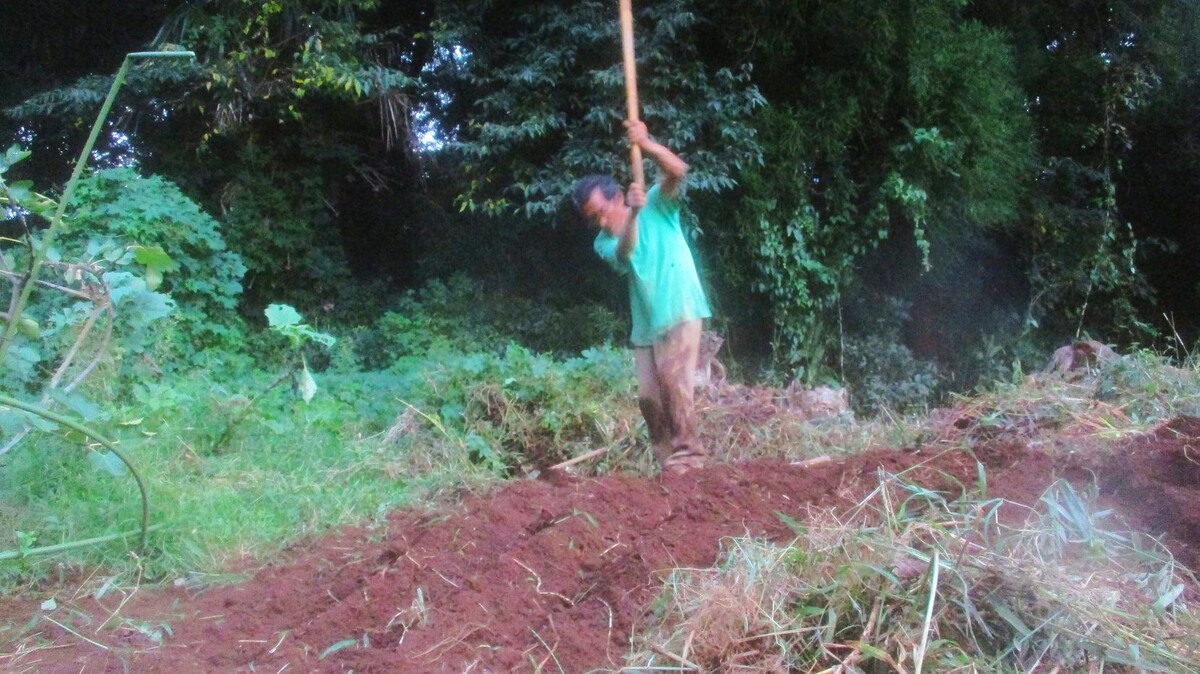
[[666, 375]]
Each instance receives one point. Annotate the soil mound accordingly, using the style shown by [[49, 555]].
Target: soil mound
[[554, 575]]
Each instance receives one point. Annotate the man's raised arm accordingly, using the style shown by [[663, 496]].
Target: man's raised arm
[[673, 168]]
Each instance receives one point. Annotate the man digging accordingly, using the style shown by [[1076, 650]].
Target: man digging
[[641, 238]]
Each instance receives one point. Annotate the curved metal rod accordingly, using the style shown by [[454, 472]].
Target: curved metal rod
[[48, 549], [76, 426]]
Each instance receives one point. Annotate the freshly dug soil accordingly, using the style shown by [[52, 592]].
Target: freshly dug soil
[[557, 573]]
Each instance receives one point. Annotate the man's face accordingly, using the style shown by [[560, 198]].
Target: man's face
[[606, 214]]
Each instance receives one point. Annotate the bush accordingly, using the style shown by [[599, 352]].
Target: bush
[[521, 410], [880, 371], [206, 282], [460, 315], [883, 375]]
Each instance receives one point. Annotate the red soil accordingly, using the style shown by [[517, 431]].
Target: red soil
[[559, 572]]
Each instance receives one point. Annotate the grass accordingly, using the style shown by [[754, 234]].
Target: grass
[[371, 442], [1125, 397], [368, 443], [910, 582], [293, 471]]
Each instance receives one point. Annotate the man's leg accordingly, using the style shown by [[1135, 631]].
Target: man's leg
[[675, 361], [650, 401]]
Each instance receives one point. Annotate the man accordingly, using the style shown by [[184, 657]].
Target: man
[[640, 236]]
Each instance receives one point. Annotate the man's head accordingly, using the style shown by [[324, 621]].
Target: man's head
[[600, 202]]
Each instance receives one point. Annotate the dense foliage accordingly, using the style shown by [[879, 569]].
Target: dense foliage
[[203, 277], [532, 89], [900, 129]]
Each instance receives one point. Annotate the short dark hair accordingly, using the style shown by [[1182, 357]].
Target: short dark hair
[[584, 186]]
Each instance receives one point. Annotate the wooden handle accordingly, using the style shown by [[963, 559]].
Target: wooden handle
[[631, 97]]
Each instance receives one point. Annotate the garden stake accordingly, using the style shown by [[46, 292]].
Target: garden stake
[[579, 459], [56, 222], [59, 547]]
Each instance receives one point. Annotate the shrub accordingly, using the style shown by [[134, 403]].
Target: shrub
[[459, 315], [521, 410], [881, 372], [206, 279]]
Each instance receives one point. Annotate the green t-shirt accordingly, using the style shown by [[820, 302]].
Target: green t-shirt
[[664, 288]]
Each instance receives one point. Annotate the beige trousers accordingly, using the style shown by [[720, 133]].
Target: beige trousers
[[666, 375]]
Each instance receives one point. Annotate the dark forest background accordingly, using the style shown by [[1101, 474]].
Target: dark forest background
[[904, 195]]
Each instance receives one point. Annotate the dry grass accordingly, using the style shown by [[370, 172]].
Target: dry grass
[[908, 582]]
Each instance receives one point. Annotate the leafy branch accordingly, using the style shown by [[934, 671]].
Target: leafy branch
[[285, 320]]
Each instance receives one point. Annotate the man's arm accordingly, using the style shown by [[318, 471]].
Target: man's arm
[[635, 198], [673, 168]]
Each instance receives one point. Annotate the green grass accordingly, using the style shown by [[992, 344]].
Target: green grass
[[288, 471], [211, 509], [366, 444]]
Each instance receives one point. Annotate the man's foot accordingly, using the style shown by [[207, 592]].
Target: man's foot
[[683, 461]]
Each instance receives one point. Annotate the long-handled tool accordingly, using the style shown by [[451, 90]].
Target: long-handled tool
[[635, 152], [631, 96]]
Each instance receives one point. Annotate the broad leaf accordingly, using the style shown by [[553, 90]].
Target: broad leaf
[[280, 315], [157, 262], [12, 155], [108, 463]]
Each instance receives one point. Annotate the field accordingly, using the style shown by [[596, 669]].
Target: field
[[990, 539]]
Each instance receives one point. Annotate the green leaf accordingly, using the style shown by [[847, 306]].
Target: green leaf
[[1160, 606], [280, 315], [21, 192], [154, 256], [872, 651], [1012, 619], [77, 403], [108, 463], [12, 155], [153, 278], [26, 540], [792, 523], [344, 643], [29, 328], [157, 262]]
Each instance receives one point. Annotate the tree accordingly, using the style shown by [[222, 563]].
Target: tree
[[271, 125], [1090, 69], [534, 99], [888, 124]]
